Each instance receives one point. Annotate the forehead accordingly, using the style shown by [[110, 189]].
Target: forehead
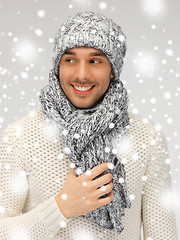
[[84, 50]]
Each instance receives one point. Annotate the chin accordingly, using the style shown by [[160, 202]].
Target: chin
[[82, 107], [87, 106]]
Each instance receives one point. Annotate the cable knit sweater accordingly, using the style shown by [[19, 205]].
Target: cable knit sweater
[[33, 169]]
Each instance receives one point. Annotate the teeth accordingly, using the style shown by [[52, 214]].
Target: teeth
[[83, 89]]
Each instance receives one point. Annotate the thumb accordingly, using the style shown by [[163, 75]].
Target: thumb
[[72, 172]]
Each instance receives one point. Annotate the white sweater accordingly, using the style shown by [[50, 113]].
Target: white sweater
[[33, 169]]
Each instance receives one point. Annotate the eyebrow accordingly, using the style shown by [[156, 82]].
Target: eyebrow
[[69, 52]]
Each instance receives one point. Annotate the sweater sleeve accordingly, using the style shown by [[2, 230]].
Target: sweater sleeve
[[158, 215], [43, 221]]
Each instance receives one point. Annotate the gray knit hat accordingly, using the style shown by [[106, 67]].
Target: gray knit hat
[[91, 30]]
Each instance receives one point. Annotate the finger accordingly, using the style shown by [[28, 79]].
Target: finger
[[97, 170], [105, 201], [102, 180], [72, 172], [104, 190]]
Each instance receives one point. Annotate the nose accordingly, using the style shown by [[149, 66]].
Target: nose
[[82, 72]]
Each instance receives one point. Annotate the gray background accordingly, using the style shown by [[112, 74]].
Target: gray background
[[151, 70]]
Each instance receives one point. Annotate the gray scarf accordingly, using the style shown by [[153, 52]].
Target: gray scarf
[[88, 133]]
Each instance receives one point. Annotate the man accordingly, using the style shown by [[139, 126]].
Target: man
[[82, 166]]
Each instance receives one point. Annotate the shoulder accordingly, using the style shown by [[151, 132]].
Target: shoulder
[[17, 136], [139, 124], [32, 118], [29, 122], [142, 129], [32, 130]]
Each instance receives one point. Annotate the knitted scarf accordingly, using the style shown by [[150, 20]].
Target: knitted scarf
[[88, 134]]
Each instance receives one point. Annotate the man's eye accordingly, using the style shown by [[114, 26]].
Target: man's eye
[[69, 60], [95, 61]]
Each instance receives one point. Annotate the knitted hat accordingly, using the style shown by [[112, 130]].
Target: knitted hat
[[91, 30]]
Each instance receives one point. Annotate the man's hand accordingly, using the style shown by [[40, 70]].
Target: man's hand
[[80, 194]]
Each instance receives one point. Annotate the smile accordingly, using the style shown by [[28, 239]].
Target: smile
[[82, 90]]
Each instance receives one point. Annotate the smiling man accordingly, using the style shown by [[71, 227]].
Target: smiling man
[[82, 166], [85, 75]]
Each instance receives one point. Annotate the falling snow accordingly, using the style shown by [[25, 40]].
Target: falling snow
[[38, 32], [103, 188], [62, 224], [41, 13], [67, 150], [110, 166], [103, 5], [153, 67], [78, 171], [64, 196], [132, 196], [60, 156], [121, 180], [72, 165], [84, 184], [88, 172]]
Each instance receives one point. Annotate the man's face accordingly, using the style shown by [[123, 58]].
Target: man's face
[[84, 67]]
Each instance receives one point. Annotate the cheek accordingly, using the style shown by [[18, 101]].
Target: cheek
[[105, 71], [66, 74], [61, 72], [102, 74], [63, 75]]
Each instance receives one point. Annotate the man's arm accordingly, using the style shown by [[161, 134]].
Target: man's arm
[[39, 223], [157, 201]]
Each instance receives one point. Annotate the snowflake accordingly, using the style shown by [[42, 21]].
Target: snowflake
[[124, 160], [72, 165], [168, 161], [88, 172], [135, 156], [107, 149], [1, 120], [153, 26], [153, 142], [84, 184], [62, 224], [9, 149], [65, 132], [63, 28], [2, 210], [41, 13], [111, 125], [153, 100], [64, 196], [132, 196], [103, 188], [110, 165], [169, 52], [38, 32], [76, 135], [60, 155], [67, 150], [58, 180], [78, 171], [144, 178], [169, 120], [121, 180], [102, 5], [35, 160], [7, 166], [114, 151]]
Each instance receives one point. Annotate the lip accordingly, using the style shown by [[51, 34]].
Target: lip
[[83, 92], [77, 85]]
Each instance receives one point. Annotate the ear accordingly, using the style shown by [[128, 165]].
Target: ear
[[112, 73]]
